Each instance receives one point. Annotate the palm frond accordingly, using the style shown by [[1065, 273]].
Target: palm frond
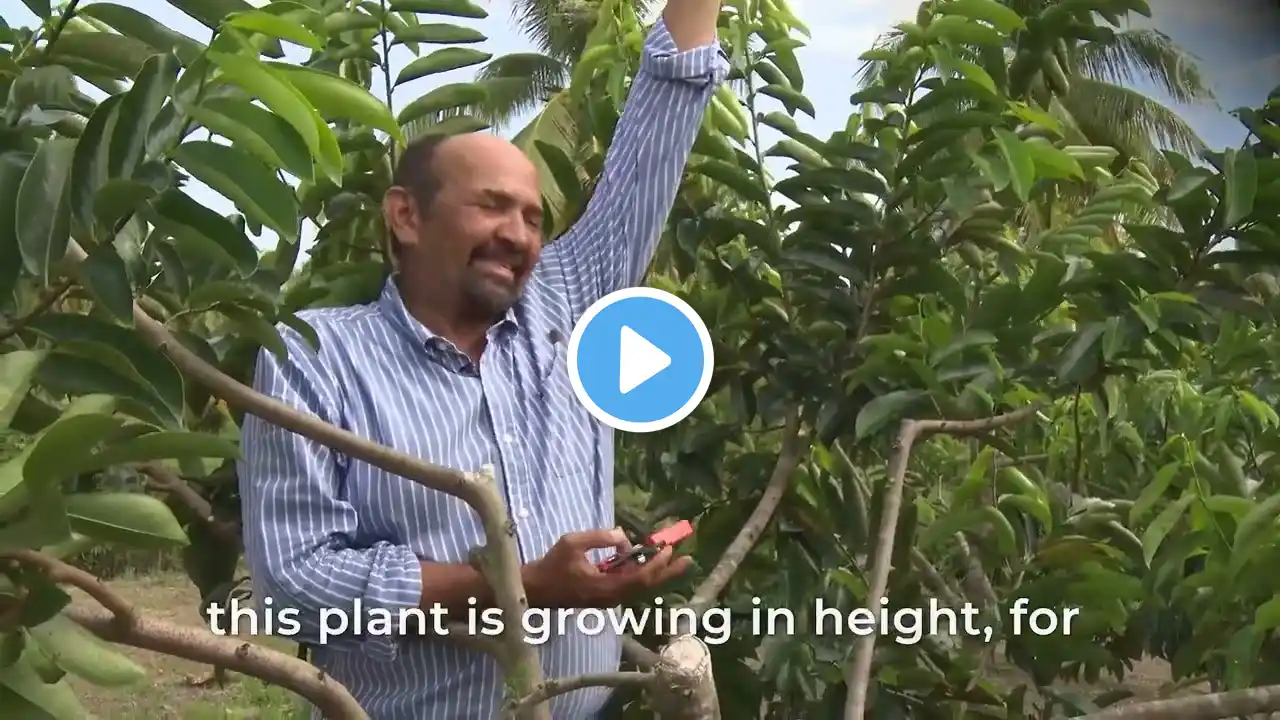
[[560, 27], [1133, 55], [519, 83], [1129, 121]]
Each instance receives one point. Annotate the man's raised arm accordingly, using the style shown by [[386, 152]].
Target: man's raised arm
[[611, 245]]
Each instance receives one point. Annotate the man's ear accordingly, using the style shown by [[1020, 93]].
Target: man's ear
[[401, 216]]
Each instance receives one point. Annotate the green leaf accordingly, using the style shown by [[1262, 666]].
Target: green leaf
[[135, 24], [171, 445], [80, 653], [43, 212], [139, 108], [245, 180], [17, 370], [48, 701], [61, 449], [253, 325], [791, 98], [1051, 162], [1252, 530], [989, 11], [280, 27], [182, 217], [442, 60], [107, 278], [337, 98], [734, 178], [445, 97], [289, 103], [1072, 362], [973, 338], [121, 351], [13, 166], [439, 34], [100, 53], [1022, 168], [91, 162], [456, 8], [1162, 525], [1153, 491], [256, 130], [132, 519], [885, 408], [1241, 174], [42, 9]]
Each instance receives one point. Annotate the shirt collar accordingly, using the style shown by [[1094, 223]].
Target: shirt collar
[[391, 304]]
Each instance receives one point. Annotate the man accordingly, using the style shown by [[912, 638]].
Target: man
[[462, 362]]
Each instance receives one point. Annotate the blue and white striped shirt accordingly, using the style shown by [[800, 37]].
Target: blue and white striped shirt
[[323, 531]]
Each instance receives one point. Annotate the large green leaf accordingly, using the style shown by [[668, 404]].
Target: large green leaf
[[100, 53], [181, 216], [44, 700], [17, 370], [138, 25], [139, 108], [339, 99], [259, 131], [43, 210], [439, 34], [243, 178], [1241, 175], [875, 415], [442, 60], [171, 445], [132, 519], [80, 653], [123, 352], [455, 8], [281, 97]]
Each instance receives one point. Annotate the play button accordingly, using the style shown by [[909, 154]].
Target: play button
[[640, 360]]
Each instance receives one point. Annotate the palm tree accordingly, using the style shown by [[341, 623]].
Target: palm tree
[[1101, 107]]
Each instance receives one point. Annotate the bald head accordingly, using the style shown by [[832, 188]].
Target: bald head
[[466, 214]]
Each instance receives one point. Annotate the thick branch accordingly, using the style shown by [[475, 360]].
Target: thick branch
[[683, 687], [50, 296], [500, 557], [122, 624], [204, 647], [940, 585], [1235, 703], [552, 688], [857, 677], [788, 459]]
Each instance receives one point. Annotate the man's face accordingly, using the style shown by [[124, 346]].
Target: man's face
[[482, 236]]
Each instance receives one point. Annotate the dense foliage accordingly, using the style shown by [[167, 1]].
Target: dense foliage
[[964, 247]]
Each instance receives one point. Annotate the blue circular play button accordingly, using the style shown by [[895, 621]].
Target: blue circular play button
[[640, 360]]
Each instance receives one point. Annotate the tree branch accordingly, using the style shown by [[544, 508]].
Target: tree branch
[[552, 688], [858, 674], [122, 624], [50, 296], [498, 560], [169, 482], [1235, 703], [683, 686], [788, 460]]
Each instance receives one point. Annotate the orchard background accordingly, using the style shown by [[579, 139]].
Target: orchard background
[[1009, 332]]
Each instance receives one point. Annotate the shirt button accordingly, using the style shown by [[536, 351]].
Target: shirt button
[[508, 439], [522, 513]]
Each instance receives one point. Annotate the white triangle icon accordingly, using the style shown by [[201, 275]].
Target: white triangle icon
[[639, 360]]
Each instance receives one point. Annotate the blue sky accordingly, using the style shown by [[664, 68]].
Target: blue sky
[[1236, 41]]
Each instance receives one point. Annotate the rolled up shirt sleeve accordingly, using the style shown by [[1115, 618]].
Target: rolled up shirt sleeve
[[611, 245], [298, 528]]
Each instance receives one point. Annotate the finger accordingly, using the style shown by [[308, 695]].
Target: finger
[[594, 539]]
